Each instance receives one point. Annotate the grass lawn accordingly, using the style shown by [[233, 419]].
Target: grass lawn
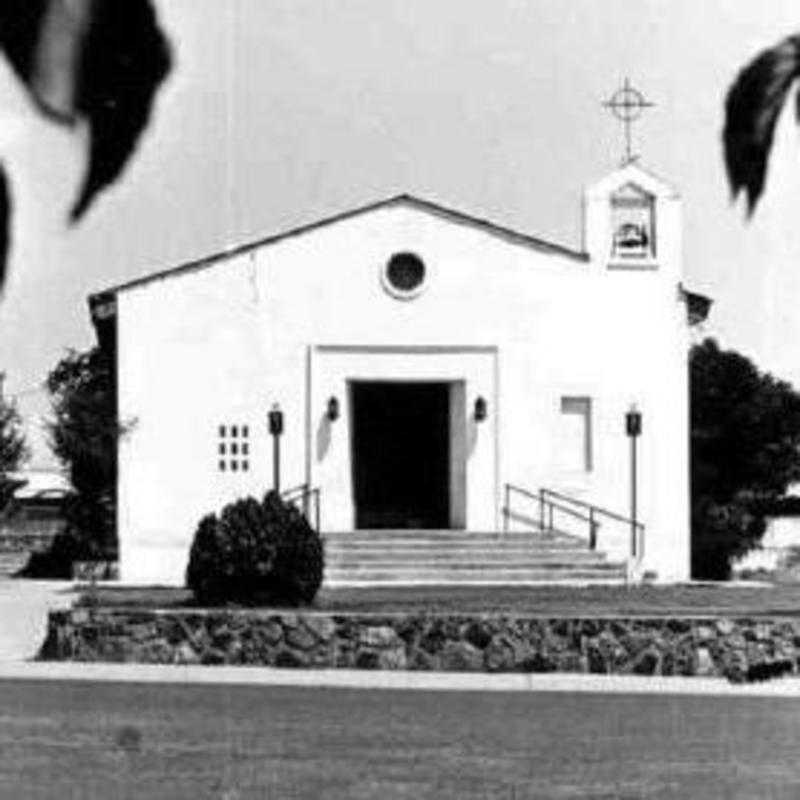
[[90, 741], [699, 599]]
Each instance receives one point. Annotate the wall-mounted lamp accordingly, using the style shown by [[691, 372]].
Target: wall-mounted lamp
[[633, 429], [275, 422], [633, 422], [481, 410], [275, 418], [333, 409]]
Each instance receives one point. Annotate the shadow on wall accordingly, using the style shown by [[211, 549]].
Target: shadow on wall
[[472, 435], [323, 437]]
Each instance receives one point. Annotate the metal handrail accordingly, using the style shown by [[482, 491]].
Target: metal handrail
[[548, 502], [305, 494], [590, 506], [571, 511], [300, 489], [637, 528], [546, 508], [512, 488]]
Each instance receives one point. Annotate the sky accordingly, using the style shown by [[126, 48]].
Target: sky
[[279, 112]]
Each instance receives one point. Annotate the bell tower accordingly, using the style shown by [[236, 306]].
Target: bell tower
[[631, 219], [632, 222]]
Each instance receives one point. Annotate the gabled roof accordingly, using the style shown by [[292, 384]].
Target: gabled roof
[[450, 214], [637, 175]]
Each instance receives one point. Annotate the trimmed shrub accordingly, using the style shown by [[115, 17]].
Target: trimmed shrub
[[255, 553]]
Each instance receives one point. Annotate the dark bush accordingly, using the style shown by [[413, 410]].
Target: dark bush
[[73, 543], [56, 561], [722, 532], [254, 553], [745, 445]]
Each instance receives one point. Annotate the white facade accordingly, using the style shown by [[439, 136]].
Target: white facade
[[539, 332]]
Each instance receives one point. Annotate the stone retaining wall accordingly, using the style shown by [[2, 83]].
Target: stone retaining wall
[[740, 649]]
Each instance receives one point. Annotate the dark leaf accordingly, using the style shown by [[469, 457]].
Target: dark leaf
[[125, 59], [5, 224], [20, 22], [43, 41], [96, 60], [752, 107]]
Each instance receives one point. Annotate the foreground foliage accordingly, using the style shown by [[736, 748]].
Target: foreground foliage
[[255, 552], [745, 438], [753, 106], [12, 450], [84, 436], [99, 63]]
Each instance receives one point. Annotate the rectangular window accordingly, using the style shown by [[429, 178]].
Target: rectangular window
[[575, 443], [233, 441]]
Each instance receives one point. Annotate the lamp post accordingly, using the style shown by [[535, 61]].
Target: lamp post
[[276, 429], [332, 411], [633, 428]]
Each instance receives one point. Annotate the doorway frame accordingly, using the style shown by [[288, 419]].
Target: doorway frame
[[328, 367]]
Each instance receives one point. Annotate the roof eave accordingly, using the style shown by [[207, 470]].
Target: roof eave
[[515, 237]]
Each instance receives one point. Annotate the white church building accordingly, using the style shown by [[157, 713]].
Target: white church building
[[435, 372]]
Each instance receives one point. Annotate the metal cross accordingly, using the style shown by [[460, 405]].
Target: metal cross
[[627, 105]]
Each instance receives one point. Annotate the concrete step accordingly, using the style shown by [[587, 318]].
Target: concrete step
[[409, 556], [476, 553], [357, 557], [434, 548], [456, 540], [474, 566], [525, 575], [439, 533], [473, 557], [466, 567]]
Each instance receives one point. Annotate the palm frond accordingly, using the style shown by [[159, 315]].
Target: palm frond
[[752, 108], [98, 61], [5, 224]]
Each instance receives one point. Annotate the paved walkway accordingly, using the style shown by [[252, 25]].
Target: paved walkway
[[23, 614], [399, 680]]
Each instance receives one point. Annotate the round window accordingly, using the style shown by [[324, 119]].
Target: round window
[[405, 273]]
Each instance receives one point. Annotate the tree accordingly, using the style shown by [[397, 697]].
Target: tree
[[12, 451], [84, 437], [745, 428], [753, 105]]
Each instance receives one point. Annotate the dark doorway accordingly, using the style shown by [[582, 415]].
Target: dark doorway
[[401, 454]]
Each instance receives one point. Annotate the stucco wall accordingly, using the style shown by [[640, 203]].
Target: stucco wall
[[291, 322]]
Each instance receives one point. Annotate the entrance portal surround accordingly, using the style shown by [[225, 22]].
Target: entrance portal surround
[[332, 371]]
